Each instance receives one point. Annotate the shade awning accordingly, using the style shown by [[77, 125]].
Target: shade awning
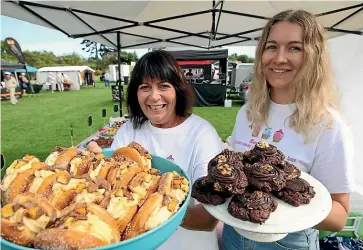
[[159, 24], [29, 69], [205, 62], [8, 66]]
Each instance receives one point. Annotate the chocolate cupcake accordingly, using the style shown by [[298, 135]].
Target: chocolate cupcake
[[203, 192], [225, 171], [264, 152], [289, 170], [254, 206], [297, 191], [265, 177]]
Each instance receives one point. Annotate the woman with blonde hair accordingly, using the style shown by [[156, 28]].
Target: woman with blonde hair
[[293, 105]]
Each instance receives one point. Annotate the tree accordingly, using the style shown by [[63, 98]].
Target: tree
[[7, 54], [95, 49]]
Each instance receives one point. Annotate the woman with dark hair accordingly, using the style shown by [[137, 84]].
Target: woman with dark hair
[[159, 102]]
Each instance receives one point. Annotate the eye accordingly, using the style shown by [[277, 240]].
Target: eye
[[270, 47], [165, 86], [295, 49], [144, 87]]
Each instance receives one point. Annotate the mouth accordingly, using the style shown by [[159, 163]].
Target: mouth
[[280, 71], [156, 107]]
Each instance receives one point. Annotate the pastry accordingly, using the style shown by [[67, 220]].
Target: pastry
[[137, 153], [79, 226], [265, 177], [157, 209], [203, 191], [124, 203], [225, 171], [254, 206], [61, 157], [297, 191], [122, 172], [174, 185], [25, 217], [264, 152], [17, 177]]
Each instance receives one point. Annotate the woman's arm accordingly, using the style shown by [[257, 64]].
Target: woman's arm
[[338, 215], [333, 167], [197, 218]]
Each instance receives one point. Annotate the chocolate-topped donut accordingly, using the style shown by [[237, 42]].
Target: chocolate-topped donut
[[203, 192], [265, 177], [297, 191], [225, 171], [290, 171], [264, 152], [254, 206]]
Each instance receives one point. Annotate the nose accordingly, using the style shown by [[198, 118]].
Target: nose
[[154, 94], [280, 56]]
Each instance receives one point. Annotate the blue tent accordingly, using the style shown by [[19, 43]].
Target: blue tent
[[30, 69]]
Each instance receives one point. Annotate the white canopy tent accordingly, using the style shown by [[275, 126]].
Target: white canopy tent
[[155, 24], [74, 73], [200, 24]]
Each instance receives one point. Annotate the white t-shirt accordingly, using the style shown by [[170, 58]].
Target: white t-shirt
[[191, 145], [328, 158]]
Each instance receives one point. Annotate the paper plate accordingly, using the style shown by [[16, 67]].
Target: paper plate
[[148, 240], [286, 218]]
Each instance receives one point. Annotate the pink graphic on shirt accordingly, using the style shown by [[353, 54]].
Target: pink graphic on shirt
[[170, 157], [278, 135]]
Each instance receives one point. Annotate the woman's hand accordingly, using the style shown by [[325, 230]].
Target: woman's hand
[[93, 147], [197, 218], [338, 215]]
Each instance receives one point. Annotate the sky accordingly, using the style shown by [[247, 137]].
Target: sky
[[37, 38]]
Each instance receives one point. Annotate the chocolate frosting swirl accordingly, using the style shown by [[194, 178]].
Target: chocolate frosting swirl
[[265, 152], [263, 172], [234, 176]]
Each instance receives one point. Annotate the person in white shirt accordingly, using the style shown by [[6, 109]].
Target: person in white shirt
[[293, 105], [159, 102], [51, 81]]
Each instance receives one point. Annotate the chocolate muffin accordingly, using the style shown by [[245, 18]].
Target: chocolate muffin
[[225, 171], [297, 191], [264, 152], [289, 170], [265, 177], [203, 191], [254, 206]]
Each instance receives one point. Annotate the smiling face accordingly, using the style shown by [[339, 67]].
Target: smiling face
[[157, 100], [283, 54]]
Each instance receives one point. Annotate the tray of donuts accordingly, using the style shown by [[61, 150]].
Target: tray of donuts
[[125, 199], [259, 192]]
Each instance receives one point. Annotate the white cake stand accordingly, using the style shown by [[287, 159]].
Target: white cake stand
[[286, 219]]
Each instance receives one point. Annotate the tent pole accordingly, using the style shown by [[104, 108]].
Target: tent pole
[[119, 70]]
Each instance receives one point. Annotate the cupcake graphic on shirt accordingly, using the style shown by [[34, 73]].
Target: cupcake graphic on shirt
[[278, 135], [266, 133]]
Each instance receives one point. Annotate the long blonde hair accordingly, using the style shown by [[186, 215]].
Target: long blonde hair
[[314, 89]]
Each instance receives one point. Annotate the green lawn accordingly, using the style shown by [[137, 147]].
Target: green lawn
[[37, 124]]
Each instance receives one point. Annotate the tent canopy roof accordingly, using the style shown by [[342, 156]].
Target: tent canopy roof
[[5, 65], [187, 55], [65, 68], [29, 69], [156, 24]]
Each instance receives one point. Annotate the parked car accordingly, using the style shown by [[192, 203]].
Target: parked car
[[243, 88]]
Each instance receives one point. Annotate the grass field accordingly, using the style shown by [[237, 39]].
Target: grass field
[[39, 123]]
